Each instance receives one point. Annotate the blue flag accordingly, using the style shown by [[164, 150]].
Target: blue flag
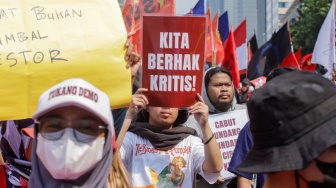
[[199, 8], [223, 26]]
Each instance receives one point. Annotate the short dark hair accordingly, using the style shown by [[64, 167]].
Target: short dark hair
[[214, 71]]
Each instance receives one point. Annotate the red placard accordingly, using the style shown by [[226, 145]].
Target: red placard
[[173, 59]]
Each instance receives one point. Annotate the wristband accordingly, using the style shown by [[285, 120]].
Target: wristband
[[209, 139]]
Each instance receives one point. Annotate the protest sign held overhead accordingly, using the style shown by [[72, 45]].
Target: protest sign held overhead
[[226, 128], [45, 42], [173, 59]]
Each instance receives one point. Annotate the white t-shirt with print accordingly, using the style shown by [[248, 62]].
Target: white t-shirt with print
[[164, 169]]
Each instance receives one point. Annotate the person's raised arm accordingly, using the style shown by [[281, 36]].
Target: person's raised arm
[[139, 102], [132, 58], [213, 160]]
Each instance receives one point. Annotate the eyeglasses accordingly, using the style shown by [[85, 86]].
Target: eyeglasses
[[84, 130]]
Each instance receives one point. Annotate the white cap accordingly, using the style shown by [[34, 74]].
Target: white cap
[[76, 92]]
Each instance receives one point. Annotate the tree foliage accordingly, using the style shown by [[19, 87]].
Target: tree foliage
[[305, 30]]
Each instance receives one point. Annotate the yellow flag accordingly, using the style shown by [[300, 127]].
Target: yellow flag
[[45, 42]]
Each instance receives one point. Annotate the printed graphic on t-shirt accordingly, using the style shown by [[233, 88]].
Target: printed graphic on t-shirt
[[153, 168], [172, 176]]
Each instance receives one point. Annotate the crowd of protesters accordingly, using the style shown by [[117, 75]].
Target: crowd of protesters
[[72, 141]]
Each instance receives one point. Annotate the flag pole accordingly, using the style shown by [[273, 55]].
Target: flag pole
[[292, 46], [214, 43], [249, 57], [213, 58]]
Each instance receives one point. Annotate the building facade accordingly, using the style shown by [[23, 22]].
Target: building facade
[[271, 19], [290, 13], [261, 16], [238, 10], [283, 7]]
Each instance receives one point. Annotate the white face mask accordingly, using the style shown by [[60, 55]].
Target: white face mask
[[67, 158]]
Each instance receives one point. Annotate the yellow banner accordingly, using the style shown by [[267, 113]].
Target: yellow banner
[[43, 42]]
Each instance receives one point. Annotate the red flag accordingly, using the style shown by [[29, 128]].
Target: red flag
[[298, 55], [209, 47], [217, 42], [230, 59], [240, 33], [214, 26], [219, 50], [133, 9], [306, 63], [290, 61], [241, 50]]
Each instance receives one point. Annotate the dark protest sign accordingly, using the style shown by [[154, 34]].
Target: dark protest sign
[[173, 59]]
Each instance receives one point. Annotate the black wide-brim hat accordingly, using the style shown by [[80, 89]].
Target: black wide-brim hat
[[182, 117], [292, 121]]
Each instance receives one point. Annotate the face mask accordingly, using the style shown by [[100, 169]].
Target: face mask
[[329, 171], [67, 158]]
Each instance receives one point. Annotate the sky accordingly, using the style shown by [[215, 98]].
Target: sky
[[184, 6]]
